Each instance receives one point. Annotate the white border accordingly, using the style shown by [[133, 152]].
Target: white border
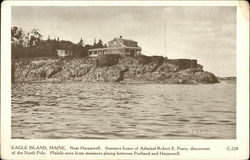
[[218, 147]]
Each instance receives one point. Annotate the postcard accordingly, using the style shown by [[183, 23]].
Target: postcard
[[144, 80]]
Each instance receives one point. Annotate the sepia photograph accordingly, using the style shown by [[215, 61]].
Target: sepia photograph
[[128, 80], [123, 72]]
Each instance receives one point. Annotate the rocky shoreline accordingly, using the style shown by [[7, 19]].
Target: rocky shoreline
[[125, 70]]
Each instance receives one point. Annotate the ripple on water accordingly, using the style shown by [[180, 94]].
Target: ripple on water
[[121, 111]]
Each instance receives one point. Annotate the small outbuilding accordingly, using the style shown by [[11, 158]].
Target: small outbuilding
[[61, 53]]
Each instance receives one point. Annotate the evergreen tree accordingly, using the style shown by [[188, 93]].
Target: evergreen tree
[[48, 39], [99, 44], [81, 43]]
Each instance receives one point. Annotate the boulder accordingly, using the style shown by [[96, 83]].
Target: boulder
[[205, 77], [157, 59], [103, 74], [167, 67]]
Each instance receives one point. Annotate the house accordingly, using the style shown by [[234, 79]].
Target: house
[[67, 53], [63, 53], [117, 46]]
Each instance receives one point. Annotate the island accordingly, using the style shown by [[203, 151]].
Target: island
[[120, 61]]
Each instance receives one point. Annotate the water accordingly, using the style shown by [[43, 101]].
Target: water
[[123, 111]]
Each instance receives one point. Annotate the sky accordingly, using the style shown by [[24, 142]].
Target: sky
[[207, 34]]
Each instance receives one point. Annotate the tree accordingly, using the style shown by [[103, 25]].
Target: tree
[[48, 39], [80, 43], [18, 36], [31, 44], [99, 44], [34, 37]]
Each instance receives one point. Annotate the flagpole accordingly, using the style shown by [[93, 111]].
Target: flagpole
[[165, 50]]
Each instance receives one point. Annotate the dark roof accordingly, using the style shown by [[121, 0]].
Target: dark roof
[[122, 39]]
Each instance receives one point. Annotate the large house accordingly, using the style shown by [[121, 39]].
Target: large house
[[117, 46]]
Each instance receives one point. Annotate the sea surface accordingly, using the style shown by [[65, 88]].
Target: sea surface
[[75, 110]]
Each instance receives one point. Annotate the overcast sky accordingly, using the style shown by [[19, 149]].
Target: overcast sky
[[207, 34]]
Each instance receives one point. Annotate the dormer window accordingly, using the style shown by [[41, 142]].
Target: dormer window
[[114, 42]]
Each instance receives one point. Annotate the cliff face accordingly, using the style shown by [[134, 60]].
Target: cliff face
[[128, 70]]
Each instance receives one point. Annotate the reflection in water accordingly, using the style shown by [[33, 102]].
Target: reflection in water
[[123, 111]]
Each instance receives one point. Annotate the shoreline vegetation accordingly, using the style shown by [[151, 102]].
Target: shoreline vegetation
[[35, 60]]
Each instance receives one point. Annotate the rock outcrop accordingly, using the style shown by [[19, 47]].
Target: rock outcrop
[[125, 69]]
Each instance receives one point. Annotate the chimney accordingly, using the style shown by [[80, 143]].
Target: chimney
[[120, 36]]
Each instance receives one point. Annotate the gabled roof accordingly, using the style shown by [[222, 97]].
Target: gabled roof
[[121, 41]]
